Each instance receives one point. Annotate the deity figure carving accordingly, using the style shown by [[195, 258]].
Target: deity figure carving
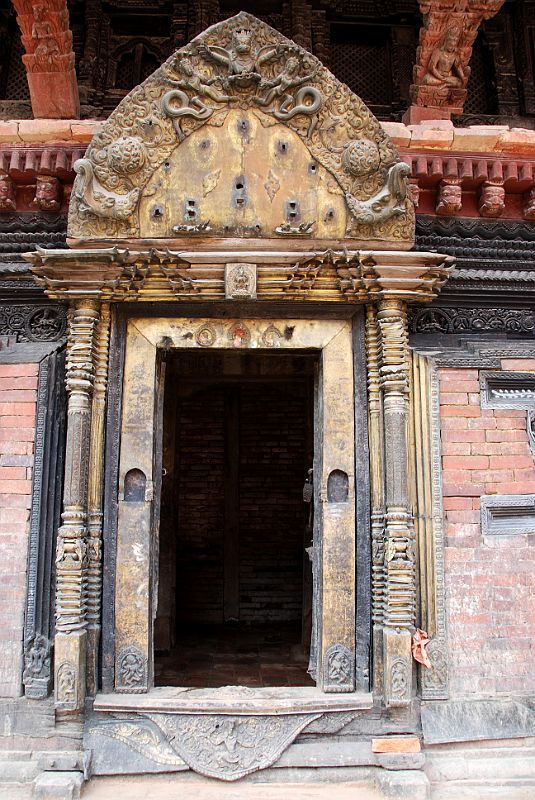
[[47, 191], [289, 78], [242, 62], [491, 200], [445, 67], [181, 73], [47, 51], [36, 675]]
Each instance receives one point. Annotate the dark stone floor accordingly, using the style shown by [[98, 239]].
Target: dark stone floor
[[235, 654]]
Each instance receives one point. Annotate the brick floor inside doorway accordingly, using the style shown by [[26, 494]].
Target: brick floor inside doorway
[[235, 654]]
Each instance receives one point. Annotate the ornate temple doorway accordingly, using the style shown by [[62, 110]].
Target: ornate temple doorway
[[221, 421], [236, 523]]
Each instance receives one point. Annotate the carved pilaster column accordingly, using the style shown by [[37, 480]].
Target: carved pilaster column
[[376, 435], [71, 557], [400, 589], [95, 486]]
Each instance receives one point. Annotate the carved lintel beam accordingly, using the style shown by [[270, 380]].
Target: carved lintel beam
[[93, 577], [399, 557], [199, 275], [442, 67], [71, 555], [49, 58]]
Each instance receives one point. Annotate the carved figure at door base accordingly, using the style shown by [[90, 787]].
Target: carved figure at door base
[[339, 669], [131, 670], [36, 675]]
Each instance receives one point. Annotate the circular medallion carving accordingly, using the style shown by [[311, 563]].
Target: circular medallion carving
[[126, 155], [361, 156], [206, 336]]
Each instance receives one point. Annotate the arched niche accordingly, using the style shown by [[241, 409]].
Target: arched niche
[[242, 134]]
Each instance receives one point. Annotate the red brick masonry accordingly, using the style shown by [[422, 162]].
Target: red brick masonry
[[490, 583], [18, 395]]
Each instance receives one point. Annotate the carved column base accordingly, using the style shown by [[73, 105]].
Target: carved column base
[[69, 671], [397, 661]]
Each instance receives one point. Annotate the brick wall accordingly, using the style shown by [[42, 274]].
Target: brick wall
[[490, 583], [18, 395], [272, 468]]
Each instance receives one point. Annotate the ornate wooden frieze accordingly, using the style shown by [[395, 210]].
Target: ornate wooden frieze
[[241, 89], [438, 319], [448, 33], [49, 58], [399, 564], [33, 323], [72, 556]]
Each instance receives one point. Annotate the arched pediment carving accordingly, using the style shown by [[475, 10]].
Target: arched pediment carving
[[242, 133]]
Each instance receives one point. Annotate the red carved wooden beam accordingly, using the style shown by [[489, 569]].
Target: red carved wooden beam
[[441, 71], [49, 58]]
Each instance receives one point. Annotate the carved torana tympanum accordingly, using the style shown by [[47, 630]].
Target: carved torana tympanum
[[303, 155]]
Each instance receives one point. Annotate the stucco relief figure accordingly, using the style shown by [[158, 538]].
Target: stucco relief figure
[[492, 200], [445, 67], [388, 202], [98, 200], [241, 61], [182, 74], [289, 78], [450, 199]]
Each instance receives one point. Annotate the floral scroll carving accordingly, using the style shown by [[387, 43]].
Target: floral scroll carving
[[241, 66]]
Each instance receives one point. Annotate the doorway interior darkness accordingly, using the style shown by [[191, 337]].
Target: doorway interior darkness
[[235, 580]]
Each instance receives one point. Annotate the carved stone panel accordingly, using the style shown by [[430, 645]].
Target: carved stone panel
[[230, 747]]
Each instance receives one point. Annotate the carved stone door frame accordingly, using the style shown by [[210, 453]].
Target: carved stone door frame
[[334, 558]]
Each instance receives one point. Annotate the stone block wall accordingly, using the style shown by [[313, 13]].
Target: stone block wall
[[490, 581], [18, 397]]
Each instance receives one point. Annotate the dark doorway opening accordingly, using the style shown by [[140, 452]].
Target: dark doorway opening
[[235, 579]]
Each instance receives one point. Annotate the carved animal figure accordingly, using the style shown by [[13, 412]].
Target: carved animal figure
[[388, 202], [96, 199]]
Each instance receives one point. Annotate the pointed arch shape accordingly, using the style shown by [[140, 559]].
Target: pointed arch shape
[[242, 72]]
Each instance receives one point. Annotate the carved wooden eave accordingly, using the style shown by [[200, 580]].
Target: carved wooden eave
[[349, 276]]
